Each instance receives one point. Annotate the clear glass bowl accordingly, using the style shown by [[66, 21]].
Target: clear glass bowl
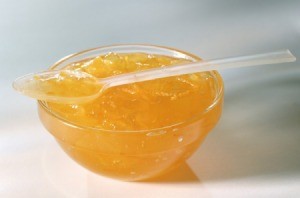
[[131, 155]]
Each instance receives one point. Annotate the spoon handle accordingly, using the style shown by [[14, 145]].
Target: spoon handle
[[201, 66]]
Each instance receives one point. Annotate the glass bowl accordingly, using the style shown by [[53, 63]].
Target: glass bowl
[[133, 155]]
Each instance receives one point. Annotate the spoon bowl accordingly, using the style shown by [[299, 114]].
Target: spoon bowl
[[79, 87]]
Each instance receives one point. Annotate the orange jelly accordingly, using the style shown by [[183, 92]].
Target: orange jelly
[[136, 131]]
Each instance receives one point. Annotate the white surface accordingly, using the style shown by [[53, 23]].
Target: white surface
[[254, 150]]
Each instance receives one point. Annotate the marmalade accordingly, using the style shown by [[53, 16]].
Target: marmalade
[[135, 131]]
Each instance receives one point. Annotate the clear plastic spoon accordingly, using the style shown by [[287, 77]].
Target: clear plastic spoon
[[83, 87]]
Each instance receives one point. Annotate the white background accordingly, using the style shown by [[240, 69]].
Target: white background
[[253, 152]]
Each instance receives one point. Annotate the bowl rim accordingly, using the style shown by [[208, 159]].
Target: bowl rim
[[217, 77]]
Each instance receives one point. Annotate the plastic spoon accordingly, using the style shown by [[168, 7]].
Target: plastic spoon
[[85, 87]]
